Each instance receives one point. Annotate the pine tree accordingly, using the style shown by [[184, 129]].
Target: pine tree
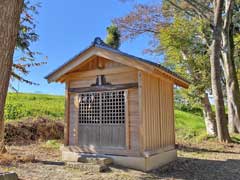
[[113, 37]]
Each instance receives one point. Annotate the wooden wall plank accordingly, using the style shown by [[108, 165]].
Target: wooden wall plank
[[157, 113], [133, 109], [95, 72], [119, 78]]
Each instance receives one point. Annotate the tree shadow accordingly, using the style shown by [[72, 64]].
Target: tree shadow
[[29, 142], [199, 150], [197, 169], [53, 163]]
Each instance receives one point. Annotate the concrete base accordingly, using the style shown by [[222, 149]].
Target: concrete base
[[8, 176], [90, 167], [138, 163], [146, 163]]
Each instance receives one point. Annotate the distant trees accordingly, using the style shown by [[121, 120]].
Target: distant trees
[[182, 45], [207, 45], [230, 29], [10, 11], [189, 57], [215, 55], [113, 37]]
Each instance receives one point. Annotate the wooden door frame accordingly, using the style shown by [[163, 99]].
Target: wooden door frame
[[127, 122]]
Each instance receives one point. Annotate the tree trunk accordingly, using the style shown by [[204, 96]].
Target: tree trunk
[[232, 86], [208, 114], [222, 130], [10, 11], [209, 118]]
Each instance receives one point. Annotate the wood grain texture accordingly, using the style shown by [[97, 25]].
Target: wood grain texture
[[10, 11], [67, 115], [149, 124], [124, 75], [102, 55], [157, 113], [104, 88]]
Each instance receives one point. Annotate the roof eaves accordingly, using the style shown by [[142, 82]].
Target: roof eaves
[[98, 42], [143, 60], [69, 61]]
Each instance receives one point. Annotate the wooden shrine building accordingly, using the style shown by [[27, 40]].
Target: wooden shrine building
[[118, 105]]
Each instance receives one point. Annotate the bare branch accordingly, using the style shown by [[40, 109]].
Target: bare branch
[[196, 9], [180, 8]]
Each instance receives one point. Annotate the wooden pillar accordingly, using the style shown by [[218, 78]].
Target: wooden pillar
[[127, 121], [173, 117], [141, 112], [76, 119], [67, 108]]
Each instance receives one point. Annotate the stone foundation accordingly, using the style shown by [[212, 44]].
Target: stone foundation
[[138, 163], [146, 163], [8, 176]]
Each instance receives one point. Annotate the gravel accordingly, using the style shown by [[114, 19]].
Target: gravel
[[195, 162]]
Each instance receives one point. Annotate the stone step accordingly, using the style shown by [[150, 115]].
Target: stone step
[[8, 176], [94, 168], [95, 159]]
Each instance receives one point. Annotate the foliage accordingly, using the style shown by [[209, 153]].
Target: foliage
[[189, 126], [143, 19], [20, 105], [25, 57], [187, 54], [237, 53], [182, 103], [52, 144], [188, 108], [113, 37], [175, 35]]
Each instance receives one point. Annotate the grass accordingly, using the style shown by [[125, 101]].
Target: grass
[[21, 105], [189, 126], [52, 144]]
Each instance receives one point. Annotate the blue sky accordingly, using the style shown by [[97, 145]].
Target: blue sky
[[67, 27]]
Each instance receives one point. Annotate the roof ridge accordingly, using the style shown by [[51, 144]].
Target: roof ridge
[[98, 42]]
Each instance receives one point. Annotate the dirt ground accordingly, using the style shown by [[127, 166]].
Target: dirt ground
[[195, 161]]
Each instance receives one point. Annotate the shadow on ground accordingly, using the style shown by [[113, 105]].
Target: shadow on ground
[[199, 150], [197, 169], [53, 163]]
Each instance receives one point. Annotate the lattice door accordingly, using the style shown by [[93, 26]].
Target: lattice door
[[102, 118]]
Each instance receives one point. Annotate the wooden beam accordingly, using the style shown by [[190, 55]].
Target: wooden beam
[[159, 151], [141, 65], [76, 119], [54, 76], [102, 150], [96, 72], [63, 77], [103, 88], [67, 118], [141, 112], [127, 122], [93, 52]]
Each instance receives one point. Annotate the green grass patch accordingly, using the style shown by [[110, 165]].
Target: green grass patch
[[21, 105], [236, 137], [52, 144], [189, 125]]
